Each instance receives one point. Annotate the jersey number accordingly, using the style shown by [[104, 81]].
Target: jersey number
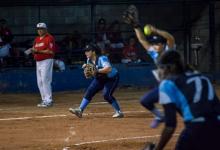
[[198, 86]]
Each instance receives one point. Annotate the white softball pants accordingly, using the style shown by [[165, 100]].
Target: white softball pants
[[44, 71]]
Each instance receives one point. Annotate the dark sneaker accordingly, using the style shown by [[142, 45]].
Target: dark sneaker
[[76, 111]]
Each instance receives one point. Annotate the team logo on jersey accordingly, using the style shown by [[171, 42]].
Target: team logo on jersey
[[39, 44]]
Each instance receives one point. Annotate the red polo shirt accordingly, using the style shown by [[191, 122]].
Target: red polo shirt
[[130, 51], [45, 43]]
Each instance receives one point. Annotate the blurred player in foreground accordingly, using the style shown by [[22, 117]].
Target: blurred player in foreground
[[155, 42], [193, 96], [105, 77]]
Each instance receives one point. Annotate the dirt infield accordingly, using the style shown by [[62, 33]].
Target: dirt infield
[[23, 126]]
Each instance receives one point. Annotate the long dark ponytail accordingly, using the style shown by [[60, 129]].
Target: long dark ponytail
[[171, 60]]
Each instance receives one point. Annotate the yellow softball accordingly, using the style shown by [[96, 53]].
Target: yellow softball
[[147, 30]]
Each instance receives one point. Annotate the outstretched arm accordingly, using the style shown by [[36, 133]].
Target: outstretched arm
[[130, 16], [141, 37]]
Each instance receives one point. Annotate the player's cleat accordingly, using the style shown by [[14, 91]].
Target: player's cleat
[[156, 122], [76, 111], [118, 114], [45, 105]]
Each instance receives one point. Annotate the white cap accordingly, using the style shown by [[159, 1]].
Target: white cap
[[42, 25]]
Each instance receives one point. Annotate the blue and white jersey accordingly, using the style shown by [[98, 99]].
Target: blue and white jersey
[[154, 54], [192, 94], [102, 62]]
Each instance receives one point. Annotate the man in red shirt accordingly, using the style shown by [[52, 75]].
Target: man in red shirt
[[130, 52], [43, 51]]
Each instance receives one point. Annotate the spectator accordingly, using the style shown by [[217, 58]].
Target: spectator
[[20, 58], [130, 52], [59, 64], [72, 41], [5, 39], [58, 61], [101, 34], [76, 40], [116, 43], [114, 35], [72, 44]]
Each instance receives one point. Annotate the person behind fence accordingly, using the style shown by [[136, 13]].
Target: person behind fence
[[59, 63], [105, 77], [154, 41], [192, 95], [101, 36], [130, 52], [44, 51], [114, 35], [6, 38]]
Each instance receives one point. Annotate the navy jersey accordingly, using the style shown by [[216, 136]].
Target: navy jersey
[[102, 62], [192, 94]]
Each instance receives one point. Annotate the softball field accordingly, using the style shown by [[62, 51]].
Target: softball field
[[23, 126]]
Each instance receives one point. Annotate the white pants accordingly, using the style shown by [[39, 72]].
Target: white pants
[[44, 78]]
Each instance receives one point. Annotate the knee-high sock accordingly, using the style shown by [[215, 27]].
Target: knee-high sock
[[84, 104], [157, 113], [115, 105]]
